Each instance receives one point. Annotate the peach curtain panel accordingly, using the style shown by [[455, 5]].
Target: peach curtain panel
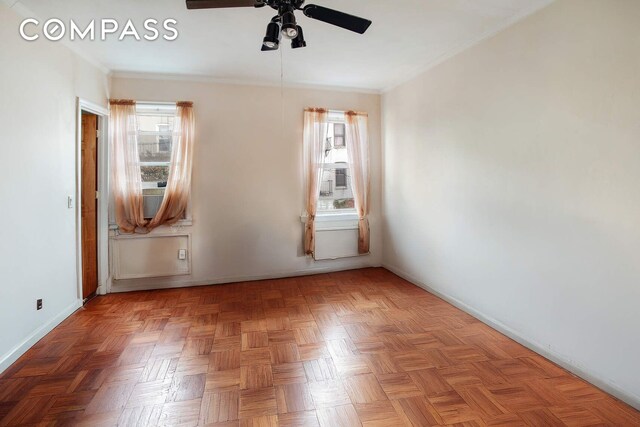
[[126, 180], [178, 191], [357, 140], [316, 125]]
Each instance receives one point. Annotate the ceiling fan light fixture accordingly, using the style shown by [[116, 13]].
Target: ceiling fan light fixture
[[298, 42], [284, 23], [271, 40], [289, 25]]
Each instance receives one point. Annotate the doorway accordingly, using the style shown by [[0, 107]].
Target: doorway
[[91, 207], [89, 203]]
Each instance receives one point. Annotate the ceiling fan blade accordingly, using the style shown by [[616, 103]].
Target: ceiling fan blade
[[340, 19], [215, 4]]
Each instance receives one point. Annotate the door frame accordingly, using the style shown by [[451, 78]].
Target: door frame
[[82, 105]]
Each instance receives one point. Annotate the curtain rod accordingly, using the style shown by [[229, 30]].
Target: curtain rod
[[156, 102]]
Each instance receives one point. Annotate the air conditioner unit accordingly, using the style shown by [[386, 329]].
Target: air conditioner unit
[[151, 204]]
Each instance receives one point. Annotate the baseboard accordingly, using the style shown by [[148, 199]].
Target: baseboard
[[36, 336], [177, 283], [582, 372]]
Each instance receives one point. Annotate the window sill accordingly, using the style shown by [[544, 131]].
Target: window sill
[[181, 223]]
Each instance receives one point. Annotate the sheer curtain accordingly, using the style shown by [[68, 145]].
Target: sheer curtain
[[178, 191], [316, 124], [357, 139], [126, 180]]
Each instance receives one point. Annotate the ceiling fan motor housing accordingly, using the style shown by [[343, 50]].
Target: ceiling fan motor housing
[[286, 19], [279, 4]]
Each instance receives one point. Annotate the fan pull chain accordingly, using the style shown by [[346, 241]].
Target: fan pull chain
[[281, 95]]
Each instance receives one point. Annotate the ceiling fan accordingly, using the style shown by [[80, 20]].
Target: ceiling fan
[[284, 23]]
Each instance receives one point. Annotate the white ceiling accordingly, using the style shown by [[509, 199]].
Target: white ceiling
[[407, 36]]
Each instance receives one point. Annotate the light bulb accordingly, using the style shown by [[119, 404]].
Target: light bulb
[[290, 33]]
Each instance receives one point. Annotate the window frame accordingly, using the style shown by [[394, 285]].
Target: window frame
[[337, 214]]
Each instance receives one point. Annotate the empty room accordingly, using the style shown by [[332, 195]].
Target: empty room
[[320, 213]]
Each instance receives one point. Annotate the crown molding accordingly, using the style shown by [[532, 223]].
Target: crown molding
[[460, 48], [194, 78], [464, 46]]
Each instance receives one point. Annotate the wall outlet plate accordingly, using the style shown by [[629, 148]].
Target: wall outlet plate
[[182, 254], [39, 304]]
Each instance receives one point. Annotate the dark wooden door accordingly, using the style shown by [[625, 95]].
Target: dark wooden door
[[89, 204]]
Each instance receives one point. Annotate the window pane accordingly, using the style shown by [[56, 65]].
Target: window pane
[[155, 123], [155, 141], [154, 148], [335, 151], [335, 187], [335, 190], [155, 173], [155, 137]]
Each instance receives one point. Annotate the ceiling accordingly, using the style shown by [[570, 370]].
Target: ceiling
[[407, 37]]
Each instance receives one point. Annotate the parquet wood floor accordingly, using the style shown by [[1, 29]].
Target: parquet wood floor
[[347, 349]]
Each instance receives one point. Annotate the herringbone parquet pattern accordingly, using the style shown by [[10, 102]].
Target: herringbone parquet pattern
[[347, 349]]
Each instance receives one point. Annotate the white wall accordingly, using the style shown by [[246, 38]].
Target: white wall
[[512, 184], [247, 184], [39, 83]]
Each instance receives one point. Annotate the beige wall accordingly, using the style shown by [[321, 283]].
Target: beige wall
[[39, 83], [247, 183], [512, 184]]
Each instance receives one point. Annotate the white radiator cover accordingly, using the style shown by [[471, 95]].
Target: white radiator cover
[[140, 256], [336, 243], [336, 235]]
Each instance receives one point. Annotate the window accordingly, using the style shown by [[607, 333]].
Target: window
[[155, 137], [338, 135], [341, 178], [335, 189]]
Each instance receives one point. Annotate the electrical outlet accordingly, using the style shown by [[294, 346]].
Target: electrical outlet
[[70, 202], [39, 304], [182, 254]]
